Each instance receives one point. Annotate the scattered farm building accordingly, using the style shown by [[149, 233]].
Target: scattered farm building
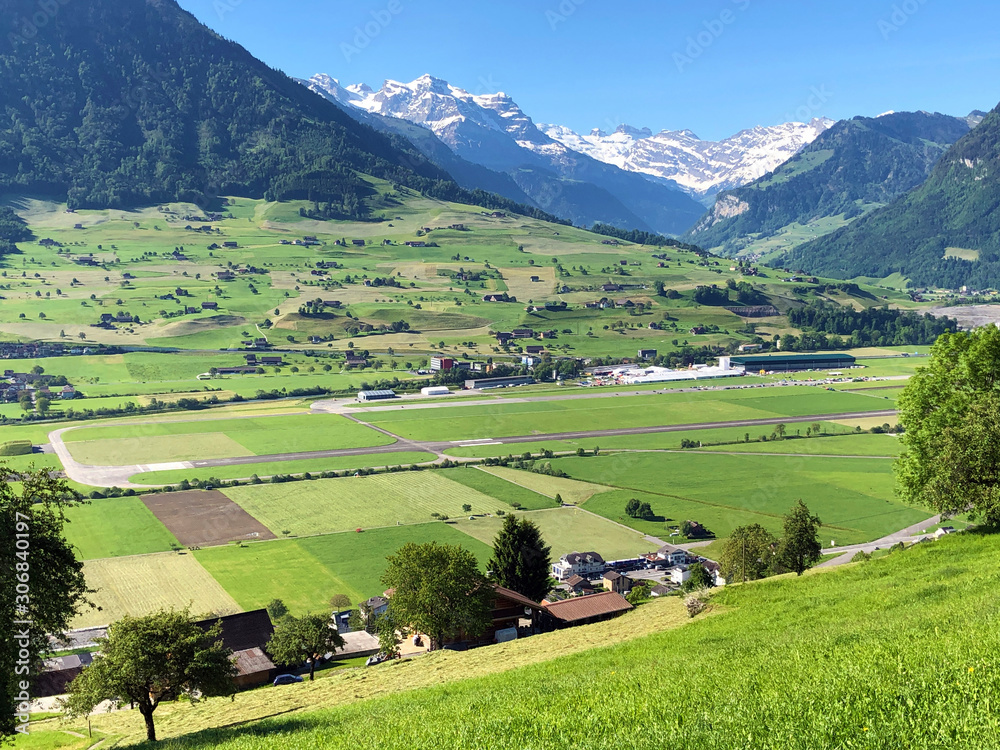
[[794, 362], [209, 305], [647, 354], [583, 610], [247, 634]]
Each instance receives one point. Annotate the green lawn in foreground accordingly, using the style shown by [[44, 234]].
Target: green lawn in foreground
[[501, 489], [854, 497], [305, 573], [116, 527], [311, 465], [255, 435], [328, 505], [509, 419], [569, 530]]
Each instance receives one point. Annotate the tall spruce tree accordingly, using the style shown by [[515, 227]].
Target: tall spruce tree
[[800, 548], [521, 559]]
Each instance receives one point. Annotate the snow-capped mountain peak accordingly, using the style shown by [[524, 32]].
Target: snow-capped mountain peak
[[700, 167]]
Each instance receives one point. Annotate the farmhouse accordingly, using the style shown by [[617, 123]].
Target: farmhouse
[[276, 360], [355, 360], [579, 585], [794, 362], [209, 305], [534, 349], [523, 333], [610, 288], [579, 564], [504, 338], [583, 610], [482, 383], [247, 634], [230, 245], [416, 243], [380, 395], [358, 243], [225, 276], [58, 672]]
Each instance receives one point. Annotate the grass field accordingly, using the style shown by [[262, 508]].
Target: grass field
[[329, 505], [501, 489], [141, 585], [510, 419], [570, 530], [571, 491], [839, 445], [163, 441], [311, 465], [853, 497], [115, 527], [305, 573]]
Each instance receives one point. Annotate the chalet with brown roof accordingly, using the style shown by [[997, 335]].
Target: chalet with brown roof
[[225, 276], [523, 333], [579, 585], [230, 245], [584, 610], [271, 360], [209, 305], [617, 582], [247, 635], [534, 349], [610, 288]]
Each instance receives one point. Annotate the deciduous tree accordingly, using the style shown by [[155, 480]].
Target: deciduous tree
[[748, 553], [144, 660], [304, 640], [439, 590], [41, 582], [950, 411], [800, 548]]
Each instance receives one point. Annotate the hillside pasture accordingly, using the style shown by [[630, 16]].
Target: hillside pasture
[[568, 530], [330, 505], [140, 585], [305, 573]]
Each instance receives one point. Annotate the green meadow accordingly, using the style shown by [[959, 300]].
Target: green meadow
[[305, 573]]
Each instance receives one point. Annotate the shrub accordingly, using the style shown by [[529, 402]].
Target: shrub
[[16, 448]]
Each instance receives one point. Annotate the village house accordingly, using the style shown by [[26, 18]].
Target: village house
[[247, 634], [358, 243], [271, 360], [617, 582], [697, 331], [225, 276], [209, 305], [610, 288], [579, 585], [504, 338], [230, 245], [534, 349], [578, 563], [523, 333], [672, 555]]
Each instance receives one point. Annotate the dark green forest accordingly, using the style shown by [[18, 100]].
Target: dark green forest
[[12, 230], [121, 103], [828, 326], [639, 237], [854, 164]]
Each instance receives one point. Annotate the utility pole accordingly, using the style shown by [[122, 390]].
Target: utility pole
[[744, 560]]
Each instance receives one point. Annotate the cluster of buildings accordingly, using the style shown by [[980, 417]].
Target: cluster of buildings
[[585, 573], [37, 386]]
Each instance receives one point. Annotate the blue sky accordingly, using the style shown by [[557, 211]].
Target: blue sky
[[713, 66]]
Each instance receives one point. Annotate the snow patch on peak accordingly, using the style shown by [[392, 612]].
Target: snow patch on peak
[[699, 167]]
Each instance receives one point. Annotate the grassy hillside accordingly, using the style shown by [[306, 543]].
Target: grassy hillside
[[892, 653]]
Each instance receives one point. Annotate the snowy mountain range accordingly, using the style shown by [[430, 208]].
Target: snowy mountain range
[[630, 177], [702, 168]]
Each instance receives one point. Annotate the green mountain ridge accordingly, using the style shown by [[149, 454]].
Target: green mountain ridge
[[122, 103], [849, 169], [955, 209]]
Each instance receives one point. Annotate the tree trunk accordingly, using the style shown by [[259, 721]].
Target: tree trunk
[[147, 714], [312, 669]]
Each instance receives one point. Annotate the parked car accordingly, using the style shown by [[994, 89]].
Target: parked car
[[286, 679]]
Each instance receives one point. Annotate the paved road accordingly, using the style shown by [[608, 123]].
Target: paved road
[[118, 476], [908, 535]]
